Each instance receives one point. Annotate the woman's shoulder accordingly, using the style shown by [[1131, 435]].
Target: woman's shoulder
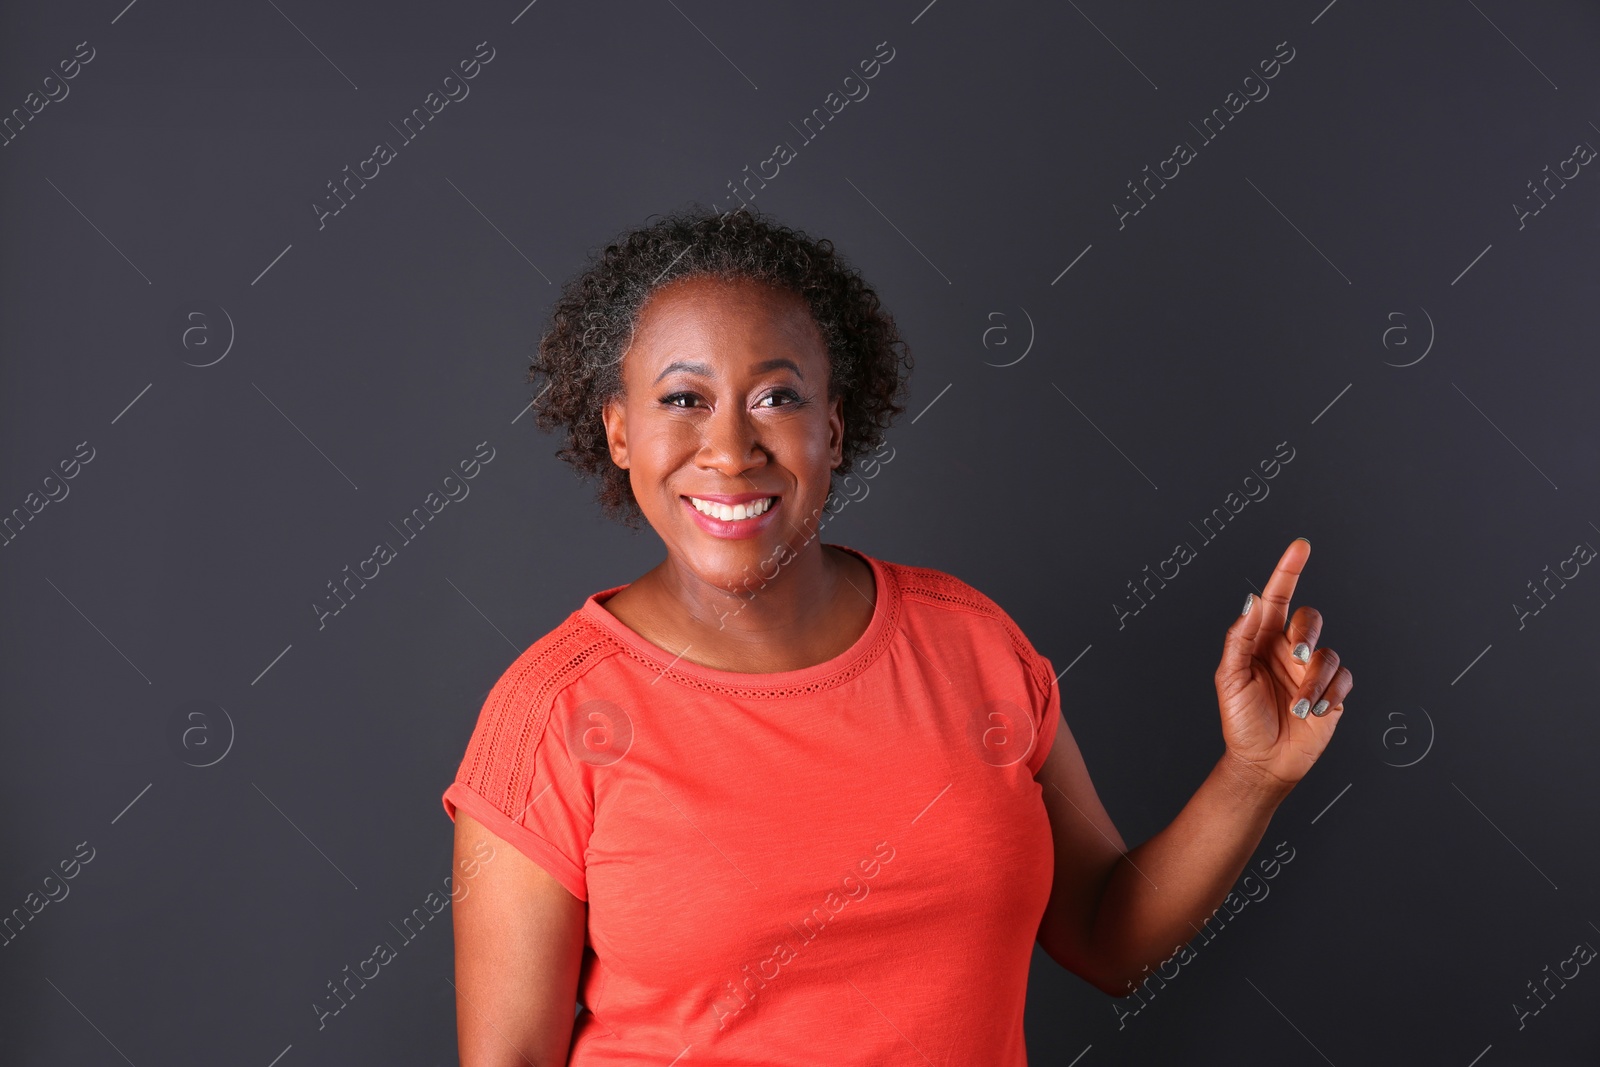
[[941, 589], [954, 602], [553, 663], [530, 693]]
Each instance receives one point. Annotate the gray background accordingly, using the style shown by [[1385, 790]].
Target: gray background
[[1443, 845]]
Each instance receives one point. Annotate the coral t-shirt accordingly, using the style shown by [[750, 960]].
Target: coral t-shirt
[[842, 864]]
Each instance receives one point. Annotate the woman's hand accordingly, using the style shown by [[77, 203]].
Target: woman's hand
[[1274, 720]]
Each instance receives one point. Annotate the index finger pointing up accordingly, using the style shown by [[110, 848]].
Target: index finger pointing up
[[1280, 587]]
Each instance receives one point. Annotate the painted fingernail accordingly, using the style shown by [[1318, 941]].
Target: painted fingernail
[[1249, 602], [1320, 708], [1300, 708], [1307, 540], [1302, 652]]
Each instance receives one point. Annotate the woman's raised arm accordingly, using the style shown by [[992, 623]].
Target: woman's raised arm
[[1280, 698]]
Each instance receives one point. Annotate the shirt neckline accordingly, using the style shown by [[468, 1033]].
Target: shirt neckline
[[848, 663]]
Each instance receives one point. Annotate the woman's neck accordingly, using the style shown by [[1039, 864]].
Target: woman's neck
[[813, 608]]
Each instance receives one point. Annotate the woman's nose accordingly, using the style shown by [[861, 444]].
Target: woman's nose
[[731, 441]]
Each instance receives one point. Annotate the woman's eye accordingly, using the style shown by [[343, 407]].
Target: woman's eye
[[685, 400]]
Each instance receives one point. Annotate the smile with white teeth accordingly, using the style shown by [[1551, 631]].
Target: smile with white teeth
[[734, 512]]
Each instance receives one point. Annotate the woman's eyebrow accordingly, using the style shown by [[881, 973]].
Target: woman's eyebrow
[[704, 370]]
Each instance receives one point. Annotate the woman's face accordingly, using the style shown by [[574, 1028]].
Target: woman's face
[[725, 405]]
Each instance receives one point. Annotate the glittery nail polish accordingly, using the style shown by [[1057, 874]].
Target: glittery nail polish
[[1300, 708], [1320, 708], [1302, 652], [1249, 602]]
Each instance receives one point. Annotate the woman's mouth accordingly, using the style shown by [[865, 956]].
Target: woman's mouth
[[743, 519]]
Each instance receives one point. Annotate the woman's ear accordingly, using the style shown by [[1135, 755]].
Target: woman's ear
[[836, 431], [616, 424]]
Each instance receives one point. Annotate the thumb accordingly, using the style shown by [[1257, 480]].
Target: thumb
[[1241, 639]]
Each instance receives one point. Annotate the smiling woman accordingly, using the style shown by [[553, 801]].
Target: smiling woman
[[683, 769], [596, 321]]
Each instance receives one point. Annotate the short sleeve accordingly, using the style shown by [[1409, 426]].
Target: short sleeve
[[1038, 676], [1044, 695], [519, 778], [1046, 707]]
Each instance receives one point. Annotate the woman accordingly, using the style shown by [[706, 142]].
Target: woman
[[778, 801]]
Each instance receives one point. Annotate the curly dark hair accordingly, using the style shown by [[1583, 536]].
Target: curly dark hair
[[579, 356]]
